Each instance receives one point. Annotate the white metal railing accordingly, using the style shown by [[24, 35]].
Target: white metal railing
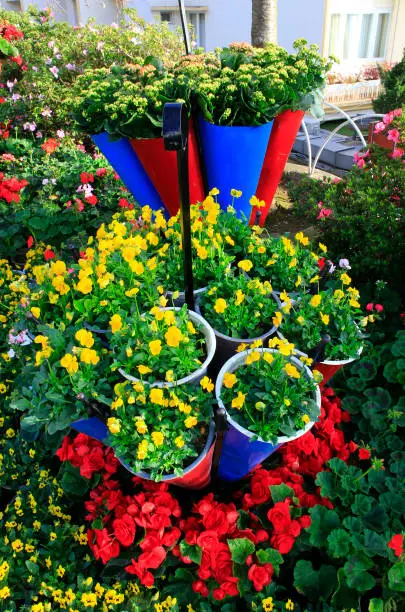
[[353, 92], [349, 121]]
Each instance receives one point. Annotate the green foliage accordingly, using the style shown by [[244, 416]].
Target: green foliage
[[393, 95], [240, 549], [73, 51], [315, 584], [51, 209], [367, 221]]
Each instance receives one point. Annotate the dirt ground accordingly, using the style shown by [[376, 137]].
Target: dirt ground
[[280, 218]]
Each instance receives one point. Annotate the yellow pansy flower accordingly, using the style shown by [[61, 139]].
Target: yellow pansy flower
[[190, 422], [229, 380], [85, 338], [252, 357], [173, 336], [315, 300], [114, 425], [246, 265], [157, 438], [143, 369], [207, 384], [155, 347], [89, 356], [69, 362], [277, 319], [324, 318], [220, 305], [115, 323], [239, 400], [291, 371]]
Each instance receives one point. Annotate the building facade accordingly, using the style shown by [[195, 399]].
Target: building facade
[[360, 32]]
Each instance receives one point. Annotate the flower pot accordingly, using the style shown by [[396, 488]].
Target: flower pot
[[379, 139], [327, 368], [282, 137], [234, 157], [161, 167], [123, 159], [240, 454], [227, 346], [196, 376], [196, 476]]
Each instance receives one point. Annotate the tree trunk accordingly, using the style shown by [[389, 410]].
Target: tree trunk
[[264, 22]]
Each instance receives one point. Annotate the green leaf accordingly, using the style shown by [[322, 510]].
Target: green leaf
[[240, 549], [344, 598], [374, 544], [194, 552], [32, 567], [396, 577], [314, 584], [73, 483], [323, 522], [30, 428], [270, 555], [376, 605], [280, 492], [339, 543], [356, 572]]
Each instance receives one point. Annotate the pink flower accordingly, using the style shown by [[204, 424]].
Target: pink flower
[[397, 112], [379, 307], [393, 135], [336, 180], [398, 152], [388, 118], [379, 127], [361, 163], [55, 71], [370, 307], [324, 212]]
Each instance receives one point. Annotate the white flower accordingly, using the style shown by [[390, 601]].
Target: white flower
[[45, 181], [60, 134], [100, 45], [55, 71], [344, 263]]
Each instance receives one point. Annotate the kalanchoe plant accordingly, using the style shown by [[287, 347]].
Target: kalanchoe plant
[[288, 266], [8, 34], [160, 345], [241, 85], [335, 313], [238, 306], [160, 430], [270, 393]]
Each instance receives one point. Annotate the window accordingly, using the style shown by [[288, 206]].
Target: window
[[195, 18], [359, 35]]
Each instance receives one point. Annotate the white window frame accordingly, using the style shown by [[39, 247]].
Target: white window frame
[[372, 41], [195, 10]]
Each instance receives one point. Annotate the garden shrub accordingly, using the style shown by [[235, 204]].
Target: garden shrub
[[393, 95], [361, 216], [53, 54], [66, 194]]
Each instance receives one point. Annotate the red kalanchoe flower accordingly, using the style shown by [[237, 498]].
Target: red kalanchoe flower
[[397, 544], [30, 241], [92, 200], [101, 171]]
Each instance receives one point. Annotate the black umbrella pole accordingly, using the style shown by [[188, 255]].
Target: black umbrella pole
[[184, 188]]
